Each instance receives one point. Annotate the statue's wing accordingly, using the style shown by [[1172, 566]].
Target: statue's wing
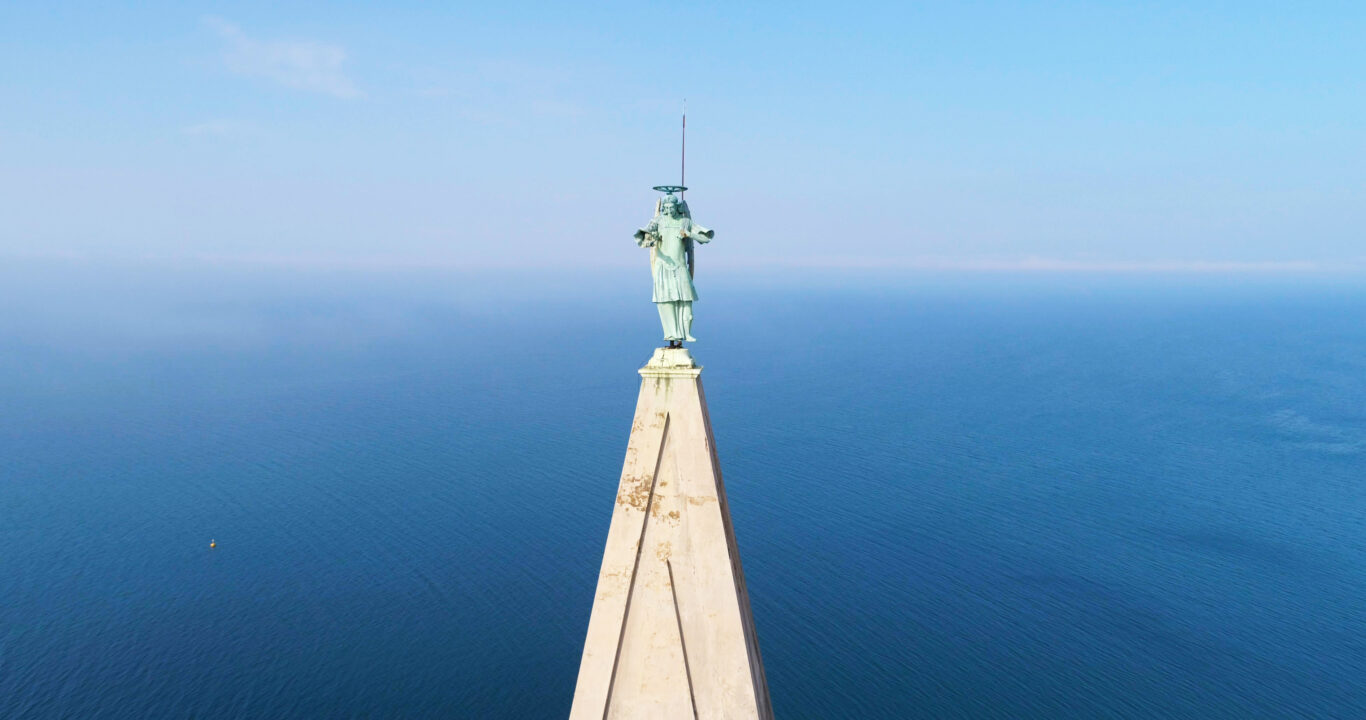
[[654, 225], [648, 237], [692, 259]]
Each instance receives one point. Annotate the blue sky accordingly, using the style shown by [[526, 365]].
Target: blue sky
[[1058, 136]]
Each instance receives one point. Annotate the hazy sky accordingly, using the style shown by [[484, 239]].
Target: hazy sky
[[1049, 135]]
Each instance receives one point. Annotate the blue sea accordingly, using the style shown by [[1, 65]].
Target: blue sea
[[978, 496]]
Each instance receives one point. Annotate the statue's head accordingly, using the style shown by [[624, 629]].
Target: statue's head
[[673, 207]]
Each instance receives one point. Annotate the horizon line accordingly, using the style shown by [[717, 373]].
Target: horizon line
[[981, 264]]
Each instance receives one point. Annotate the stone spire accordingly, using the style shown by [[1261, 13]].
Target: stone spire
[[671, 634]]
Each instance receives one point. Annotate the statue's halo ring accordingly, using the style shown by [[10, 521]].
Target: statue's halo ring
[[671, 189]]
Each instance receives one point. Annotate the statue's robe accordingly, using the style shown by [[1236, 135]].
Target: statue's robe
[[672, 240]]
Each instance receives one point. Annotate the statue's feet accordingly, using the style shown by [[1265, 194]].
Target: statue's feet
[[692, 339]]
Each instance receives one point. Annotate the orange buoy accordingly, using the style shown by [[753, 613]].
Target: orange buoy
[[213, 544]]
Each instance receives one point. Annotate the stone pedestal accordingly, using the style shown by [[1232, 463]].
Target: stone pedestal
[[671, 634]]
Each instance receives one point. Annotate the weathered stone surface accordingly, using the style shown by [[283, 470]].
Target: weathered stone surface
[[671, 634]]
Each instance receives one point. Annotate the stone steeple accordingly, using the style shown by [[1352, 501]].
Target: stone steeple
[[671, 634]]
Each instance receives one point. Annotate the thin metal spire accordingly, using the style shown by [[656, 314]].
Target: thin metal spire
[[683, 169]]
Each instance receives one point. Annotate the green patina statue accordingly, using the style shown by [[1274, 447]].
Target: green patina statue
[[670, 237]]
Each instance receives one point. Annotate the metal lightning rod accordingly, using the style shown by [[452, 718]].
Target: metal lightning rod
[[683, 169]]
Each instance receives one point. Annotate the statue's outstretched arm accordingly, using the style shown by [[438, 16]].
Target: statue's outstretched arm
[[702, 234], [648, 236]]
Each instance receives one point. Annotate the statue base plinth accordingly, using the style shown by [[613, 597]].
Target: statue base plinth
[[670, 362]]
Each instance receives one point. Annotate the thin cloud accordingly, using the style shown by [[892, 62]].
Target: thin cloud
[[300, 64]]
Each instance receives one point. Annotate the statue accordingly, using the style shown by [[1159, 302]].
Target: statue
[[670, 237]]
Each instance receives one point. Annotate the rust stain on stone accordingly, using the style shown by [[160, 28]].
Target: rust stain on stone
[[658, 512], [635, 491], [614, 582]]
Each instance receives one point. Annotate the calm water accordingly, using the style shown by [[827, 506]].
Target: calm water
[[978, 498]]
